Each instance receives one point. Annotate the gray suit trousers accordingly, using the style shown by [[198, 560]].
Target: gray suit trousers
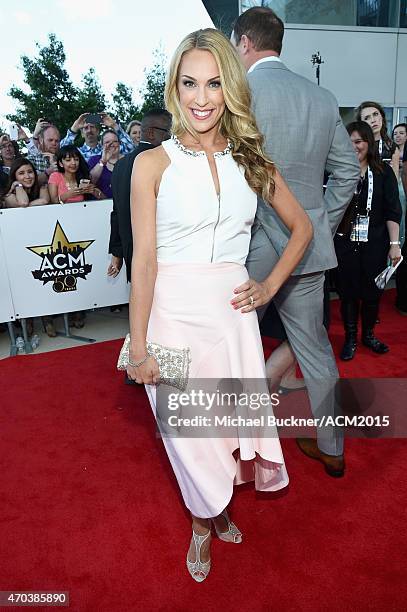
[[300, 305]]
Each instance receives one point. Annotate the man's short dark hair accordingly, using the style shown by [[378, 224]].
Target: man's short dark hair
[[155, 113], [262, 26]]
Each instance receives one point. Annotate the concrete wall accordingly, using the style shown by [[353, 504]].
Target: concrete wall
[[360, 63]]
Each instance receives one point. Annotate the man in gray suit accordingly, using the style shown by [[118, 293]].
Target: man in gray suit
[[304, 136]]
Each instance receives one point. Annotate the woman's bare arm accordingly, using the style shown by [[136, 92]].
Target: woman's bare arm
[[146, 174], [43, 199], [17, 197], [298, 223]]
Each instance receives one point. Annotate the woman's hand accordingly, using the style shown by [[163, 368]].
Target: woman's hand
[[21, 134], [93, 190], [14, 185], [147, 374], [108, 121], [52, 160], [79, 123], [252, 294], [115, 266], [394, 254], [39, 126], [107, 153], [71, 193]]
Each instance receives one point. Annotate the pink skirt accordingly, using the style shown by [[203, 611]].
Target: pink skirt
[[191, 308]]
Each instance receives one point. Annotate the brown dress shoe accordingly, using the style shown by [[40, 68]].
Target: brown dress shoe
[[334, 465]]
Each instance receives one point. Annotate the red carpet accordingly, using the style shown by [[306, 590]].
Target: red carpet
[[89, 504]]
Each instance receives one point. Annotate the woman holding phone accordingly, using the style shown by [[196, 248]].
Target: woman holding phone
[[101, 166], [71, 183]]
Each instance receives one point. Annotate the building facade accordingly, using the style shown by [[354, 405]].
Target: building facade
[[362, 43]]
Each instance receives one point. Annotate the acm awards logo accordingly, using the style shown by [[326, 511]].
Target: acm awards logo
[[62, 261]]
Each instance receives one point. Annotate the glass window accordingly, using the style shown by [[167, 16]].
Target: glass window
[[372, 13], [389, 118], [325, 12], [347, 114], [403, 14], [377, 13], [401, 116]]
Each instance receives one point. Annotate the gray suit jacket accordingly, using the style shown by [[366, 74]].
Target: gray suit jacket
[[304, 136]]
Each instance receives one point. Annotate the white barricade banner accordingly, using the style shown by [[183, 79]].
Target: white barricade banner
[[6, 302], [57, 258]]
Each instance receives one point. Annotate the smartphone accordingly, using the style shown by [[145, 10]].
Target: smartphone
[[13, 131], [84, 182], [94, 118]]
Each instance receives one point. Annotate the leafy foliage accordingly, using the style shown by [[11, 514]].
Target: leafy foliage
[[152, 90], [50, 93], [124, 107], [91, 97]]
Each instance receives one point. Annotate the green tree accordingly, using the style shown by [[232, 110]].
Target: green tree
[[91, 97], [52, 94], [124, 107], [152, 90]]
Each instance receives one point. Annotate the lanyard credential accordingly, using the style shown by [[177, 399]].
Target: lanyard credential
[[360, 229], [369, 190]]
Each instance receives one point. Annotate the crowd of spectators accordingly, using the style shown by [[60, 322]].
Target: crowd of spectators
[[55, 171]]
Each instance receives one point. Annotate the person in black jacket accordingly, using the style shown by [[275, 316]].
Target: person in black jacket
[[367, 237], [155, 127]]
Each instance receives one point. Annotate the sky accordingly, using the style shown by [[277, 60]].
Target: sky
[[116, 37]]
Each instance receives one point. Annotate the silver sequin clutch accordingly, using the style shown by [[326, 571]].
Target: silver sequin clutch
[[172, 362]]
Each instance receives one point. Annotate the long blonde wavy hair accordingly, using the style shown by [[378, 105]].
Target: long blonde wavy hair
[[237, 122]]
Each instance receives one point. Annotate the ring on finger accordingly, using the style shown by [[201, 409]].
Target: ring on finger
[[251, 300]]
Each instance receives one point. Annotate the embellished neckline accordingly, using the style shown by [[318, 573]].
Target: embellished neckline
[[192, 153]]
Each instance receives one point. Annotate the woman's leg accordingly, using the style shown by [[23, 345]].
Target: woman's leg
[[225, 529], [48, 323], [289, 379], [201, 527], [370, 310], [350, 315], [374, 261], [198, 557], [281, 367]]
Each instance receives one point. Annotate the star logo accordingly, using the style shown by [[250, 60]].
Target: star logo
[[62, 261], [59, 240]]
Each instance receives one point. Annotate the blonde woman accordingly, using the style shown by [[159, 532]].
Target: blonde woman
[[193, 202], [134, 131]]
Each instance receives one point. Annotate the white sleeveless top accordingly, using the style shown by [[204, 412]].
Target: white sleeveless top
[[194, 225]]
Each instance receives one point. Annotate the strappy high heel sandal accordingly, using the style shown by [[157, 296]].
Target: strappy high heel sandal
[[198, 569], [232, 534]]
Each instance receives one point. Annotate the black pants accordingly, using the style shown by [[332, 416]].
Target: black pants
[[358, 266]]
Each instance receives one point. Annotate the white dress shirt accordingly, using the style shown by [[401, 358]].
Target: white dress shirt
[[270, 58]]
